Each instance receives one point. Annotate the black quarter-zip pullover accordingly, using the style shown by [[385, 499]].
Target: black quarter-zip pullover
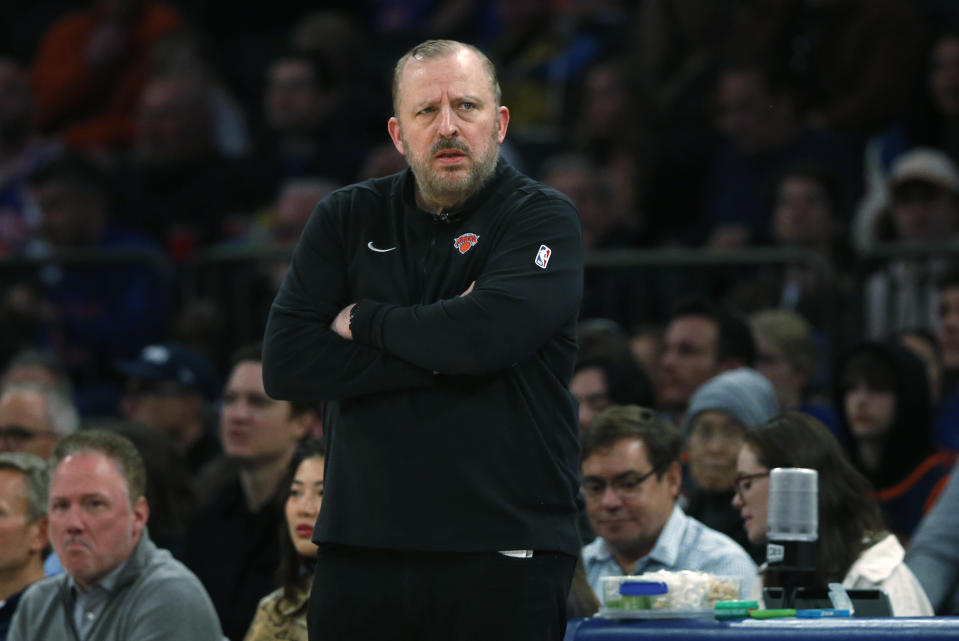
[[454, 429]]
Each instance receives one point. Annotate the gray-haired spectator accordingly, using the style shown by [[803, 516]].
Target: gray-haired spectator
[[117, 584], [36, 366], [24, 480], [34, 416], [719, 413]]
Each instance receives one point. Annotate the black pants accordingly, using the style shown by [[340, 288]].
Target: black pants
[[364, 594]]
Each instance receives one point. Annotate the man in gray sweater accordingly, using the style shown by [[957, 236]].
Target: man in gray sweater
[[933, 554], [117, 585]]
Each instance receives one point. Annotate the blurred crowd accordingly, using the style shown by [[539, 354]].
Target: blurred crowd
[[137, 135]]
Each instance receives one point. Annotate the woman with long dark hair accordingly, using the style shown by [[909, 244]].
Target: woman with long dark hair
[[854, 548], [282, 613]]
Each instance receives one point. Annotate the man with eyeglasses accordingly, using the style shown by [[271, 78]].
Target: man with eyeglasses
[[34, 417], [23, 528], [631, 478]]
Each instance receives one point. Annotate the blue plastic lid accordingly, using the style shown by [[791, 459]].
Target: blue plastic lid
[[642, 588]]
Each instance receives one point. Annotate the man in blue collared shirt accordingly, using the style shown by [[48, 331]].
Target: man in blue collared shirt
[[631, 477]]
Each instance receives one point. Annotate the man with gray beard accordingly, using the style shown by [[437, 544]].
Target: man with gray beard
[[435, 310]]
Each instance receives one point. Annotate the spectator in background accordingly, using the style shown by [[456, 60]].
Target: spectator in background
[[91, 67], [604, 223], [294, 203], [932, 121], [98, 514], [646, 344], [343, 43], [610, 135], [631, 478], [282, 613], [21, 149], [947, 327], [202, 325], [176, 184], [24, 481], [34, 417], [720, 413], [172, 388], [186, 52], [945, 423], [232, 542], [88, 313], [760, 119], [627, 295], [924, 208], [854, 546], [789, 357], [701, 341], [602, 381], [307, 135], [34, 366], [808, 213], [885, 421], [854, 60], [933, 553]]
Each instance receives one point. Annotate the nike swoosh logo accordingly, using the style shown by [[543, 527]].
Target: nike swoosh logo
[[377, 249]]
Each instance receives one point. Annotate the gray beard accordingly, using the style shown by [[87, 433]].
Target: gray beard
[[438, 194]]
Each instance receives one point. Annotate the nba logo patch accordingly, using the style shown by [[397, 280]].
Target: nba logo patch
[[542, 256]]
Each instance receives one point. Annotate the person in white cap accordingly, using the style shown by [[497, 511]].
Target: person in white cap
[[924, 208]]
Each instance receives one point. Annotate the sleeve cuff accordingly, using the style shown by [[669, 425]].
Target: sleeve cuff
[[367, 318]]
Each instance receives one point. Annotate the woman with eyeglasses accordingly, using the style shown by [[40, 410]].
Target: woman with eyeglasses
[[855, 548], [282, 614]]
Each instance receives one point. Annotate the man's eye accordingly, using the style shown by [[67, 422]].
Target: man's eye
[[468, 106]]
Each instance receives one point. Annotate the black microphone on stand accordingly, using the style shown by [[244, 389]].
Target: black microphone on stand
[[792, 528]]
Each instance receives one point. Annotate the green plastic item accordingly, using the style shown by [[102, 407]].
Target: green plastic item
[[736, 605], [772, 614]]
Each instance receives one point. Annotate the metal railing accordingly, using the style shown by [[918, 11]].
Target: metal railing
[[229, 273]]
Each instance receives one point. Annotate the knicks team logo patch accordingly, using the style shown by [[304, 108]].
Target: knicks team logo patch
[[542, 256], [465, 242]]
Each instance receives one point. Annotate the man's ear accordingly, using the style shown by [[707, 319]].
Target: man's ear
[[39, 534], [673, 476], [393, 125], [502, 122], [141, 513]]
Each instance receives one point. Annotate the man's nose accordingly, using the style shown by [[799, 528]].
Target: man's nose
[[447, 122], [610, 499], [72, 520]]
